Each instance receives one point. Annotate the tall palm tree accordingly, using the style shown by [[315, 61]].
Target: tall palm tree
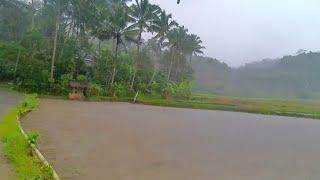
[[161, 25], [59, 7], [176, 43], [143, 13], [116, 28], [194, 45], [55, 40]]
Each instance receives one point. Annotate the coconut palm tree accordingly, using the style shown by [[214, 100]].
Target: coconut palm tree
[[177, 39], [194, 46], [161, 25], [59, 8], [143, 13], [116, 27]]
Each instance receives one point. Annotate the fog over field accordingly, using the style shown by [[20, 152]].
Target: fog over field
[[243, 31]]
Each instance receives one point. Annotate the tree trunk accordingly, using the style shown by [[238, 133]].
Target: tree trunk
[[62, 49], [99, 48], [65, 40], [177, 67], [114, 66], [135, 97], [17, 62], [113, 75], [152, 78], [170, 66], [138, 58], [32, 19], [32, 28], [170, 69], [66, 36], [55, 46], [70, 27], [155, 68], [133, 79]]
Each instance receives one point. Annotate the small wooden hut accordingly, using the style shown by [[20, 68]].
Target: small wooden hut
[[79, 90]]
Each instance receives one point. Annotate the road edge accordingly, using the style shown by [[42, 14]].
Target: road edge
[[37, 152]]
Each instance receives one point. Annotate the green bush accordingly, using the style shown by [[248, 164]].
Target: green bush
[[8, 56], [120, 90], [96, 90], [183, 90], [167, 89], [32, 72], [82, 78]]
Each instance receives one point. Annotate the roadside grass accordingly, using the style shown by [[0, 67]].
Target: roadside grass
[[16, 147], [283, 107], [294, 108], [308, 108]]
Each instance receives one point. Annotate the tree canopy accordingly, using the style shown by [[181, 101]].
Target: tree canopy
[[47, 43]]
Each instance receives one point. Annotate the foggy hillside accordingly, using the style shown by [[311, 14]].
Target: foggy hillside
[[291, 76]]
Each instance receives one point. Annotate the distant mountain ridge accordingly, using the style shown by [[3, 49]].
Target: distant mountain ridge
[[265, 63], [295, 76]]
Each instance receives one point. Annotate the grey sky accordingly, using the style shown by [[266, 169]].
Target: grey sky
[[241, 31]]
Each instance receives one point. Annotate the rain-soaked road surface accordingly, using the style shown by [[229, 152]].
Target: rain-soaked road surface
[[7, 100], [121, 141]]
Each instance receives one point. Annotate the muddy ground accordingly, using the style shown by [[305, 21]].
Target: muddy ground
[[121, 141]]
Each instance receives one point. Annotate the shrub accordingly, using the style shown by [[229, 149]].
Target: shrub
[[96, 90], [167, 89], [183, 90], [82, 78], [120, 90]]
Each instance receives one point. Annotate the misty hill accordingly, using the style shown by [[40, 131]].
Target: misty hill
[[291, 76], [210, 74]]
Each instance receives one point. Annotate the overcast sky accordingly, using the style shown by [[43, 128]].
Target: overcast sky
[[241, 31]]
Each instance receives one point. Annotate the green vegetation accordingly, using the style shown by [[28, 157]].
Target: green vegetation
[[16, 147], [44, 44], [269, 106], [295, 108]]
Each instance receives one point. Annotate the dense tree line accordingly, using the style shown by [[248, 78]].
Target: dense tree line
[[46, 43]]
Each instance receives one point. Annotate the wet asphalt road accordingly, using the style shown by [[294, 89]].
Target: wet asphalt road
[[121, 141]]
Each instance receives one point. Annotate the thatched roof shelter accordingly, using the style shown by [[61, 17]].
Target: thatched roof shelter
[[79, 84]]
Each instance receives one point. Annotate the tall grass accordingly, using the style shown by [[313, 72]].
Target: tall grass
[[16, 147]]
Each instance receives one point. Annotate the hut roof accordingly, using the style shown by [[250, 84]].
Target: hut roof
[[78, 84]]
